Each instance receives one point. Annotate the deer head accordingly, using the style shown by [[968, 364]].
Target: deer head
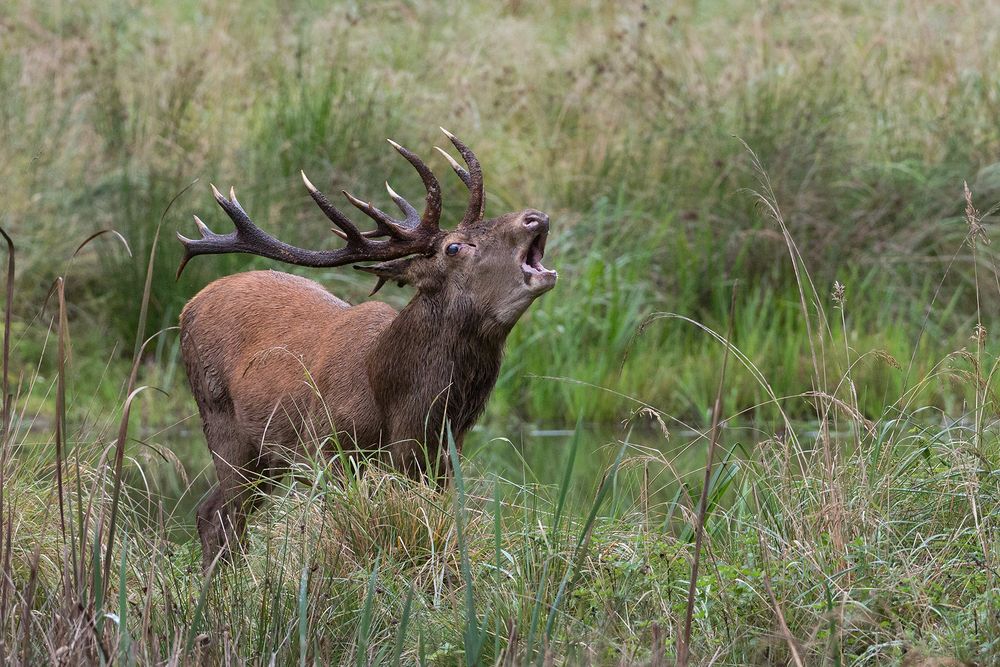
[[491, 267]]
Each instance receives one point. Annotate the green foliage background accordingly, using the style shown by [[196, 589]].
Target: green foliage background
[[620, 120], [649, 132]]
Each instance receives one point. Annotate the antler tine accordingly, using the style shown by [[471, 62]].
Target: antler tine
[[473, 179], [330, 211], [432, 202], [235, 212], [459, 169], [386, 225], [370, 234], [389, 226], [404, 206], [210, 242], [190, 243]]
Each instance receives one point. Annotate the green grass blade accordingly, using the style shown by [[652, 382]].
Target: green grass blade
[[472, 637], [125, 656], [567, 477], [404, 622], [367, 612], [304, 615], [199, 611]]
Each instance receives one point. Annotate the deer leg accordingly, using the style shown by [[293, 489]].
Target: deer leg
[[211, 519], [442, 470], [409, 457], [243, 481], [431, 462], [223, 515]]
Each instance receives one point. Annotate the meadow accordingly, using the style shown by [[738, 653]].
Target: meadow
[[755, 423]]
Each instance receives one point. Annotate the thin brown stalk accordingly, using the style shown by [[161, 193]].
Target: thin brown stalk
[[7, 583], [5, 546], [29, 597], [657, 657], [117, 476], [61, 405], [508, 657], [976, 235], [802, 279], [4, 383], [684, 643]]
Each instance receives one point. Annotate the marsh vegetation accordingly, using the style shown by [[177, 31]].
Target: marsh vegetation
[[775, 188]]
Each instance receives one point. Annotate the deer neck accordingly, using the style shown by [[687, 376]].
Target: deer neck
[[438, 361]]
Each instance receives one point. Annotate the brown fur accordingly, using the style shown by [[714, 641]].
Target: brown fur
[[275, 361]]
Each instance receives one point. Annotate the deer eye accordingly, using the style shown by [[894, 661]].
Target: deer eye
[[452, 249]]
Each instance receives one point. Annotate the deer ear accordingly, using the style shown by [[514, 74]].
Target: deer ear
[[398, 271]]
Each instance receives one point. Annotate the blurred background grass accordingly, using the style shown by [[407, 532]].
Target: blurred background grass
[[624, 121], [619, 119]]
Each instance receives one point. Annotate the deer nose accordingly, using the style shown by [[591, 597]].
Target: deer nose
[[536, 220]]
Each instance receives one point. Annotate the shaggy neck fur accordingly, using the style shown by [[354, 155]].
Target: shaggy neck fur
[[439, 358]]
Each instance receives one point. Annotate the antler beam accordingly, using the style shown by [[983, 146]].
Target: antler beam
[[250, 239], [413, 234]]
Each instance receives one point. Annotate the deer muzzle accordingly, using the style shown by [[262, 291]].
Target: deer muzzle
[[535, 273]]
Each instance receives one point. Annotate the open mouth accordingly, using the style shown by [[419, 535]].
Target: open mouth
[[531, 263]]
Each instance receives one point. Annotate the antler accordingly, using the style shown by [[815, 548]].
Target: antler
[[473, 179], [389, 226], [414, 234]]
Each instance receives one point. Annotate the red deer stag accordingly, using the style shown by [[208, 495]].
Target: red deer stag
[[275, 360]]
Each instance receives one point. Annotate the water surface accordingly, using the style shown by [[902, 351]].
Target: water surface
[[655, 464]]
